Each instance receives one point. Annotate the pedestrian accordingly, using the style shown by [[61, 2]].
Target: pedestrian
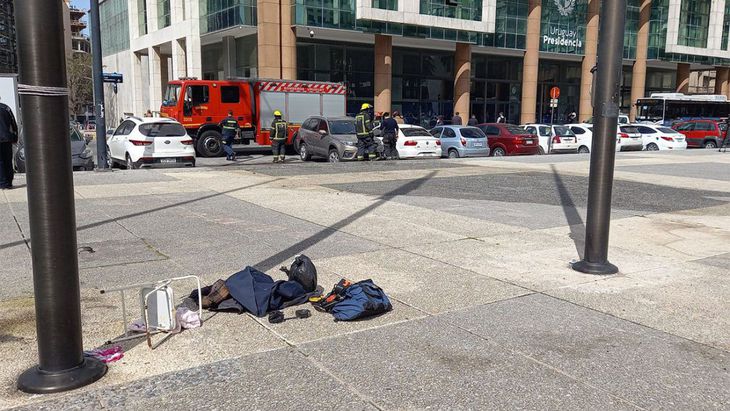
[[472, 121], [456, 120], [398, 117], [364, 130], [572, 117], [148, 113], [390, 137], [440, 121], [230, 128], [279, 133], [8, 137], [501, 118]]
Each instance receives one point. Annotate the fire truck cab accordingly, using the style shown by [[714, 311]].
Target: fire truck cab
[[200, 105]]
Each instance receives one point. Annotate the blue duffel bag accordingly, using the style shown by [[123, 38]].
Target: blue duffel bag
[[360, 300]]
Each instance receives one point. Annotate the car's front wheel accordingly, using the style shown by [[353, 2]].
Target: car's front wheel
[[334, 156]]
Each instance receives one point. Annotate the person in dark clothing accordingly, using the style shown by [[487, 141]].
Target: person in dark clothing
[[8, 137], [472, 121], [390, 137], [364, 130], [279, 131], [230, 128], [501, 118], [456, 120]]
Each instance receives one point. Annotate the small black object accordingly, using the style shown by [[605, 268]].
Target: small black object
[[303, 313], [276, 317]]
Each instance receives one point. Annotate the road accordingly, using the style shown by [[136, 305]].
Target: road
[[474, 254]]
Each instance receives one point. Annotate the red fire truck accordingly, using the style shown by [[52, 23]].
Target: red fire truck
[[199, 105]]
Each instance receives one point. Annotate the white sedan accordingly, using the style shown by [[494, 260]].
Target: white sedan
[[150, 142], [416, 142], [661, 138]]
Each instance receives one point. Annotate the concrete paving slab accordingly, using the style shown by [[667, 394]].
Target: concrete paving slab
[[710, 170], [118, 252], [427, 364], [424, 283], [646, 367]]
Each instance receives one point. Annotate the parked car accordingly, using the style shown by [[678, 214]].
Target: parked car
[[584, 135], [661, 138], [150, 142], [622, 119], [629, 139], [703, 133], [89, 131], [333, 138], [461, 141], [81, 155], [415, 142], [553, 139], [509, 140]]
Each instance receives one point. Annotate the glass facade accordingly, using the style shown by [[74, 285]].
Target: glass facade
[[694, 21], [222, 14], [633, 8], [510, 28], [562, 29], [246, 59], [142, 17], [462, 9], [726, 25], [385, 4], [163, 13], [565, 75], [8, 58], [114, 16], [496, 87]]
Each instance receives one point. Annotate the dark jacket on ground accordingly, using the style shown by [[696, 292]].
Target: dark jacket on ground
[[8, 126]]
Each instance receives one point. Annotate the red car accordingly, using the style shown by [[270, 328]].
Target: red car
[[703, 133], [509, 140]]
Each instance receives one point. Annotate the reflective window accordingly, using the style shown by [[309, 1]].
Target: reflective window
[[221, 14], [230, 94], [114, 16], [462, 9], [694, 22], [163, 13], [385, 4]]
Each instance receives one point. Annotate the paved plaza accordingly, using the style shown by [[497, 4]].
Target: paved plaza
[[474, 254]]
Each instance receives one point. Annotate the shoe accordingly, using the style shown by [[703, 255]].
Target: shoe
[[276, 159]]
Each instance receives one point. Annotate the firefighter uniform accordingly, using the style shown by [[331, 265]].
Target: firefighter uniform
[[364, 128], [230, 128], [279, 131]]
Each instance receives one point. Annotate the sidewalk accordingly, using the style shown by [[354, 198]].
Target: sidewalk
[[473, 253]]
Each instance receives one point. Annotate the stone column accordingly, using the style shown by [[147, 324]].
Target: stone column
[[155, 78], [462, 80], [152, 23], [682, 77], [638, 77], [585, 108], [531, 62], [288, 42], [179, 66], [383, 72], [177, 11], [269, 33], [164, 74], [193, 55], [137, 85], [721, 80], [229, 57]]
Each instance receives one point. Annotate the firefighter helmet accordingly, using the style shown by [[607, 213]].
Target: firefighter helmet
[[277, 113], [365, 106]]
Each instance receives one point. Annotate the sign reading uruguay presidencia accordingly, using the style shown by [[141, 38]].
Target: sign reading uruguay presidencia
[[563, 26]]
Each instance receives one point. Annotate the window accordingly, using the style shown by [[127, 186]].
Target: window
[[449, 133], [340, 127], [230, 94], [704, 126], [473, 132], [171, 95], [686, 127], [323, 126], [577, 130], [667, 130], [647, 130], [545, 131], [124, 129], [491, 131], [436, 132], [75, 135], [563, 131], [514, 129], [162, 130], [197, 94], [414, 132], [311, 124]]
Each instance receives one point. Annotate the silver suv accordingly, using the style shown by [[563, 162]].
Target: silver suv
[[333, 138]]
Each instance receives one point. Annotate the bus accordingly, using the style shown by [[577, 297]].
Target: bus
[[670, 108]]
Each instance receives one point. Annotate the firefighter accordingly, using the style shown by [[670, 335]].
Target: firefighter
[[230, 128], [279, 131], [364, 129]]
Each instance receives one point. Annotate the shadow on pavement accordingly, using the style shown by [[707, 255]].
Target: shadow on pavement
[[297, 248], [165, 207], [575, 221]]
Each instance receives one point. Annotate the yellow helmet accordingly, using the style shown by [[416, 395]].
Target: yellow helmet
[[365, 106], [277, 113]]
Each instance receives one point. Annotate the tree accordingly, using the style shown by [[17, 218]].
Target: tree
[[78, 72]]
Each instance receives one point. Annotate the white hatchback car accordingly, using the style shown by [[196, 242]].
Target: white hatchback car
[[629, 139], [661, 138], [150, 142], [553, 139], [416, 142], [584, 134]]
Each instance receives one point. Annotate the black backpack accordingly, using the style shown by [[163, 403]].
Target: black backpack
[[303, 271]]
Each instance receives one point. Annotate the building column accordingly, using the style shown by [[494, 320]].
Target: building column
[[721, 80], [179, 68], [288, 42], [383, 72], [682, 77], [136, 82], [638, 76], [152, 22], [462, 81], [531, 63], [229, 57], [164, 74], [177, 11], [155, 78], [585, 108], [269, 50], [193, 54]]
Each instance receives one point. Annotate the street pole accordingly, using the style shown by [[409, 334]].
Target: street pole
[[101, 160], [603, 155], [44, 98]]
